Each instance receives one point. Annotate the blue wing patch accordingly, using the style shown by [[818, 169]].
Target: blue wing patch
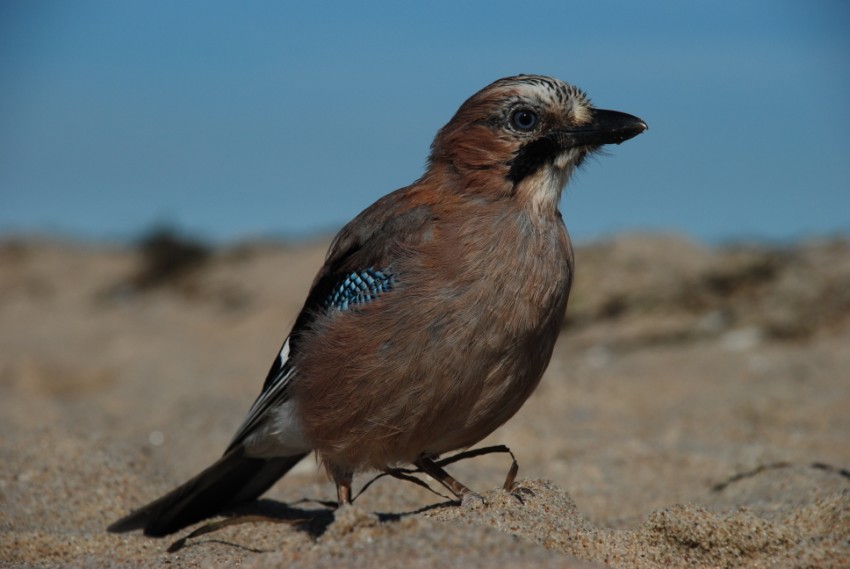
[[359, 287]]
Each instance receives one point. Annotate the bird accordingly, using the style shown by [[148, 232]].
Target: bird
[[435, 312]]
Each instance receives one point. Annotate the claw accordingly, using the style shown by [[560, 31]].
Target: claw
[[518, 493], [472, 500]]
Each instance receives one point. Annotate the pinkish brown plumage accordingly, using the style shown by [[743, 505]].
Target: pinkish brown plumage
[[434, 315]]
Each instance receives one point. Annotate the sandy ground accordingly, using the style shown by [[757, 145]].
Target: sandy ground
[[696, 413]]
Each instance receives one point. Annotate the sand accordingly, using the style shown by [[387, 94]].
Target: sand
[[696, 413]]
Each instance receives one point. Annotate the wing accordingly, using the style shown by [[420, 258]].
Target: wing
[[274, 394], [357, 269]]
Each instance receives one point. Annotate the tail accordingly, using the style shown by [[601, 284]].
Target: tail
[[234, 479]]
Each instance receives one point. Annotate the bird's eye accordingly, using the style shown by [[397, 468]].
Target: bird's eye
[[524, 119]]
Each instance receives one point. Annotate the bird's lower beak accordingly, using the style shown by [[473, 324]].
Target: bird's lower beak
[[606, 127]]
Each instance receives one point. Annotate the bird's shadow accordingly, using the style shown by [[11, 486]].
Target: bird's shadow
[[313, 521]]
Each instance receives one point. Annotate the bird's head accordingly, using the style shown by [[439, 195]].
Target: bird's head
[[523, 136]]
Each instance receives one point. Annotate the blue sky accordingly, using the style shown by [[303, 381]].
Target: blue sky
[[255, 119]]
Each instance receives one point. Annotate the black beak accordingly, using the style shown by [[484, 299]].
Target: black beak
[[606, 127]]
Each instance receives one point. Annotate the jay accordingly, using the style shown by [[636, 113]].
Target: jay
[[434, 315]]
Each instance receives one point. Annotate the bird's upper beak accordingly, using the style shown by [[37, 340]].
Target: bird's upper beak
[[605, 127]]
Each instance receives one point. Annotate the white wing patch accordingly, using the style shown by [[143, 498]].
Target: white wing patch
[[271, 427], [284, 353]]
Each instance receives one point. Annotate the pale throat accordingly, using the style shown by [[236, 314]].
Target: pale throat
[[542, 190]]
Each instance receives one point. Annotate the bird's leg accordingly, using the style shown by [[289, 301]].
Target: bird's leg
[[464, 494], [343, 493], [342, 478], [510, 486]]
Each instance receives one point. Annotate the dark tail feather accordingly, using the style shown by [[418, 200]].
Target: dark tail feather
[[234, 479]]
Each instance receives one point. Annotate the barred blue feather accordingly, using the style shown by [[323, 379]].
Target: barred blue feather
[[359, 287]]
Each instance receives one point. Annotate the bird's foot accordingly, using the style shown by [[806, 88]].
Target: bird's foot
[[520, 493], [472, 500]]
